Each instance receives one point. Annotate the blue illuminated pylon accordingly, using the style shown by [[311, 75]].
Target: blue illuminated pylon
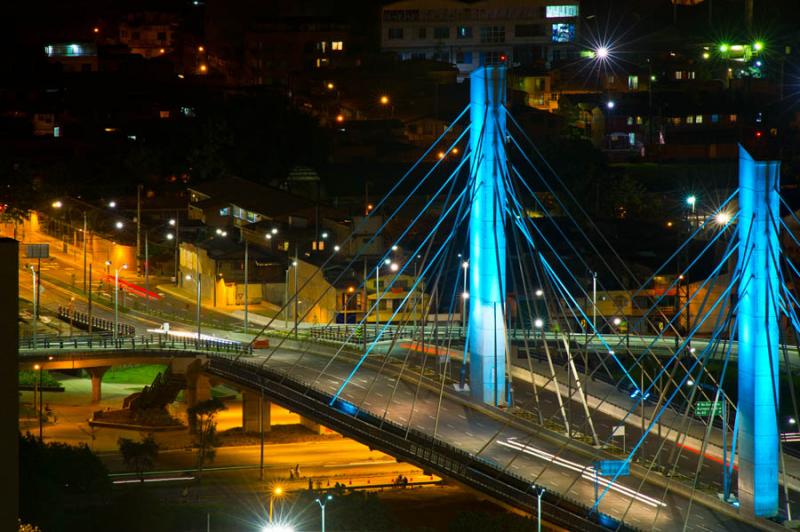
[[487, 239], [758, 335]]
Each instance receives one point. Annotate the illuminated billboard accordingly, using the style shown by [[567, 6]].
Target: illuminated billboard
[[563, 32], [561, 11]]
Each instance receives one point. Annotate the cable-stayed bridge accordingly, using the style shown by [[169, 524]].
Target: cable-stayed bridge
[[522, 387]]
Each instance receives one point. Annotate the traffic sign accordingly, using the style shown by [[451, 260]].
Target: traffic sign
[[37, 251], [703, 408], [613, 468]]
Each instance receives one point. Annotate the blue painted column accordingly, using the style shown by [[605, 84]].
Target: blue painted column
[[758, 335], [487, 240]]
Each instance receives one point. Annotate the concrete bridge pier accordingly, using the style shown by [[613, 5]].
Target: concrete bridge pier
[[97, 380], [198, 388], [313, 426], [252, 404]]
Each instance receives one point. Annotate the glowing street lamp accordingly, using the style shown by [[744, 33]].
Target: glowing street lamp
[[116, 298], [610, 104], [384, 100], [722, 218], [601, 53], [57, 204], [112, 204], [322, 504], [276, 492], [119, 225], [691, 201]]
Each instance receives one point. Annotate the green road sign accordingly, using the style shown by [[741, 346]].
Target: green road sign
[[703, 408]]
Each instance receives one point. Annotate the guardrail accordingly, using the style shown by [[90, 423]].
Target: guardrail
[[132, 343], [409, 444], [81, 320]]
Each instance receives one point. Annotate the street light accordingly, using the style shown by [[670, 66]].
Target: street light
[[464, 297], [277, 491], [322, 504], [57, 204], [199, 284], [38, 368], [35, 304], [119, 225], [539, 492], [722, 218], [691, 201], [610, 104], [112, 204], [601, 53], [384, 100], [116, 298]]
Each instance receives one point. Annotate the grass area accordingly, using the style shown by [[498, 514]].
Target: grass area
[[135, 374], [31, 377]]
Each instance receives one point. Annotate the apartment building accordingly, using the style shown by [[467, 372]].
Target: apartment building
[[469, 35]]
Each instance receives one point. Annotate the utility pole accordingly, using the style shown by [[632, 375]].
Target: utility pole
[[246, 264], [296, 294], [146, 272], [138, 227], [85, 236], [90, 298]]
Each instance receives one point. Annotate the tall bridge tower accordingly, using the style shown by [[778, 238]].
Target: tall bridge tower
[[487, 236], [759, 283]]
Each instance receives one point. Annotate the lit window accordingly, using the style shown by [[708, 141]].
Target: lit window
[[678, 74], [225, 211], [57, 131], [639, 120], [563, 32], [337, 46], [395, 34], [561, 11], [690, 120], [163, 114], [633, 83], [630, 121], [732, 118], [698, 119], [464, 32], [714, 119], [676, 121]]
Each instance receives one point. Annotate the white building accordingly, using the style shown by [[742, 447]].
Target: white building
[[518, 32]]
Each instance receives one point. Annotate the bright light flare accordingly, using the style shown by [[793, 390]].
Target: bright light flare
[[601, 53], [722, 218]]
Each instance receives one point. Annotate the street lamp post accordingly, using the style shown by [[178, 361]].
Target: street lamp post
[[116, 299], [539, 492], [85, 236], [464, 296], [37, 389], [35, 304], [198, 283], [277, 492], [322, 504]]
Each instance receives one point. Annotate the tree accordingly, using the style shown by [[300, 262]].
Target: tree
[[138, 455], [202, 416], [57, 481]]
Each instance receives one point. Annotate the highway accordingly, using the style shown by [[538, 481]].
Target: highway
[[523, 452]]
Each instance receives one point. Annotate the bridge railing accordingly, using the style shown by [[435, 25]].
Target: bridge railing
[[404, 443], [153, 342], [82, 320]]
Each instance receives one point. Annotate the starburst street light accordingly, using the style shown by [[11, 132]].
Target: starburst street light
[[601, 53], [722, 218]]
